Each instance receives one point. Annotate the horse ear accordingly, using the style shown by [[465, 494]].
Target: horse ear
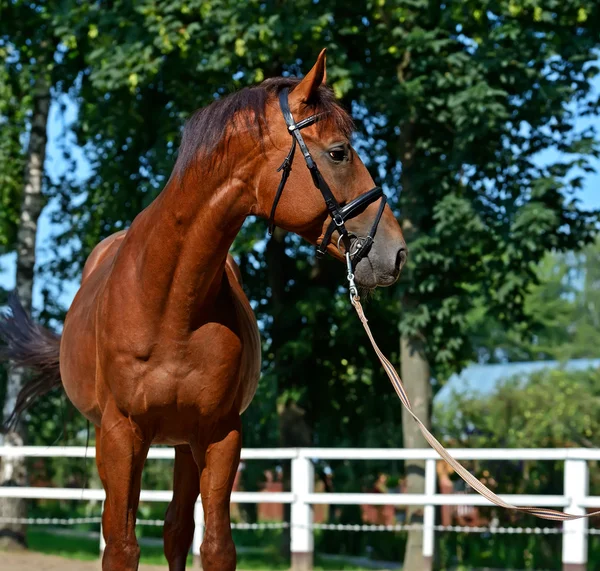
[[311, 82]]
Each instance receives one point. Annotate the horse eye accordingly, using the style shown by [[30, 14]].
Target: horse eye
[[338, 155]]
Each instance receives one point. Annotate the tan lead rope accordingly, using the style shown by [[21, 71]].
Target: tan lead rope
[[435, 444]]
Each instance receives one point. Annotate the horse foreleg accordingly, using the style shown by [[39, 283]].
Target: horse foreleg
[[121, 453], [101, 466], [221, 463], [178, 531]]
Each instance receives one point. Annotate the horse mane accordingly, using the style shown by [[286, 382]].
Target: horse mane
[[209, 128]]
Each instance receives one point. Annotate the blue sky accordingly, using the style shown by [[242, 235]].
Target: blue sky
[[55, 165]]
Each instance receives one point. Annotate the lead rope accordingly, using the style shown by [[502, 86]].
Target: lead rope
[[480, 488]]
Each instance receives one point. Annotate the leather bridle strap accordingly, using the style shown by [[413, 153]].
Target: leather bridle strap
[[286, 167], [294, 129], [351, 210], [369, 239], [338, 214], [469, 478]]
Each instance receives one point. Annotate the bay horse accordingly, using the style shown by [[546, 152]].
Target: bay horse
[[160, 344]]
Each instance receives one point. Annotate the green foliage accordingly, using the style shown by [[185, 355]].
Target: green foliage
[[553, 409], [464, 104], [39, 39], [467, 95], [149, 66], [562, 311], [454, 102], [14, 106], [494, 551]]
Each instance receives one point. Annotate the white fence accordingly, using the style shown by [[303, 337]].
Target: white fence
[[575, 498]]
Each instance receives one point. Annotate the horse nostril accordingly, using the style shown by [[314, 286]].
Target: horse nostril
[[401, 258]]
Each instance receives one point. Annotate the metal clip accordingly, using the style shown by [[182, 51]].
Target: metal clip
[[350, 277]]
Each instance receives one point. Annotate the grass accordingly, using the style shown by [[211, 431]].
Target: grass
[[86, 549], [83, 548], [42, 541]]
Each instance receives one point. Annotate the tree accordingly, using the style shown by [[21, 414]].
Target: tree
[[453, 102], [30, 43], [28, 185], [14, 105], [515, 415], [465, 95], [561, 309]]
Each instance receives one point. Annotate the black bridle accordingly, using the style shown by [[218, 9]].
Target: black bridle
[[339, 214]]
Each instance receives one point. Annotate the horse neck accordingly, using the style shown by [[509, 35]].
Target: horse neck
[[180, 243]]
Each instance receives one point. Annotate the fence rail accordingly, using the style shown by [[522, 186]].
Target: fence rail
[[575, 498]]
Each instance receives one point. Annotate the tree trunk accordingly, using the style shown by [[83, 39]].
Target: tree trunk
[[13, 471], [416, 377]]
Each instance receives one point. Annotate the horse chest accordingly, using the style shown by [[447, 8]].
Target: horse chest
[[202, 374]]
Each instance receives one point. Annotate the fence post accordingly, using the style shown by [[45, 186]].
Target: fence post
[[301, 532], [198, 532], [429, 515], [575, 536]]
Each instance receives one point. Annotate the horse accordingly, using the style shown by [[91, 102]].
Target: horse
[[160, 344]]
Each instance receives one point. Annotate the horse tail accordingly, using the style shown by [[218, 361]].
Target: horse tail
[[30, 346]]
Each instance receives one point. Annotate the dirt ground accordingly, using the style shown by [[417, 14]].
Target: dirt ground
[[40, 562]]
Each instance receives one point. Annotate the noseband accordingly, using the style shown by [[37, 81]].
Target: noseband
[[339, 214]]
